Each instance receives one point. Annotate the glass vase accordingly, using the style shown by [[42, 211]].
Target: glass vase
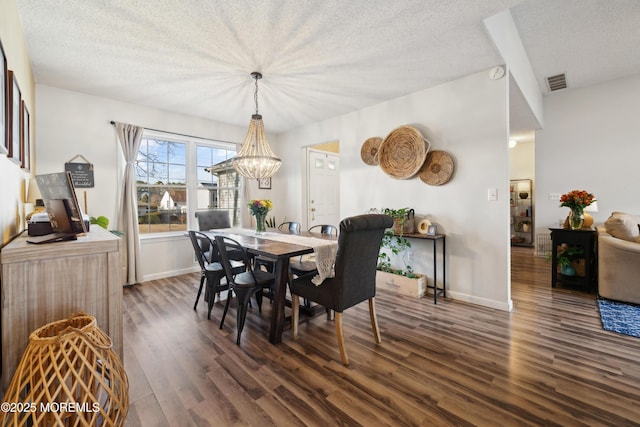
[[576, 218], [261, 225]]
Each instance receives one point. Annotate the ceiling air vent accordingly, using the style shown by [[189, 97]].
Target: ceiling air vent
[[557, 82]]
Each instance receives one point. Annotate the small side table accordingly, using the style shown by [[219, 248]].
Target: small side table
[[583, 238], [434, 240]]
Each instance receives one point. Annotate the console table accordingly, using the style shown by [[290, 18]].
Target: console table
[[48, 282], [434, 240], [586, 239]]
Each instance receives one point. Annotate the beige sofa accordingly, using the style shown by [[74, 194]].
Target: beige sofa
[[619, 258]]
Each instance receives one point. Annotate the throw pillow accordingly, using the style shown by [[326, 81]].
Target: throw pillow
[[623, 226]]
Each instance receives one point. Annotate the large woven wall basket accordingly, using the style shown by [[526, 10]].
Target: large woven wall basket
[[403, 152], [68, 376]]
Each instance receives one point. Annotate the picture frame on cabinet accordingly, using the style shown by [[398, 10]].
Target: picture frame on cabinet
[[431, 230], [15, 128], [26, 138], [4, 138], [264, 183]]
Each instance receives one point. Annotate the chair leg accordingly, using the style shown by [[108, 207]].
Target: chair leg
[[212, 296], [199, 292], [226, 308], [259, 301], [374, 320], [295, 306], [340, 337], [244, 295]]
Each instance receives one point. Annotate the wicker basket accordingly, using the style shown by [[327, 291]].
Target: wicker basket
[[369, 150], [437, 168], [403, 152], [68, 375], [405, 225]]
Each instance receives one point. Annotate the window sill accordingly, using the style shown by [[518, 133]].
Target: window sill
[[159, 237]]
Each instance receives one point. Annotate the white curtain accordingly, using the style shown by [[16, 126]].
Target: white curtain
[[130, 137]]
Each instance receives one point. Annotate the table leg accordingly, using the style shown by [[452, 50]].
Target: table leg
[[444, 267], [435, 276], [277, 314]]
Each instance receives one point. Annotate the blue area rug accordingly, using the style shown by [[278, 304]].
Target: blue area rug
[[619, 317]]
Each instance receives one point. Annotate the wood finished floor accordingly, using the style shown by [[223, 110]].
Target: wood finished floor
[[548, 362]]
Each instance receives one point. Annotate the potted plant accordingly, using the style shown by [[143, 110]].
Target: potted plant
[[402, 280], [523, 225], [402, 219], [567, 258]]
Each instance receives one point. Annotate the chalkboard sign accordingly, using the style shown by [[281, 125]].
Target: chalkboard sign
[[81, 173]]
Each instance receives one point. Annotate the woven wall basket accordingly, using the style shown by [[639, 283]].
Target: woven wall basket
[[68, 376], [369, 150], [403, 152], [437, 168]]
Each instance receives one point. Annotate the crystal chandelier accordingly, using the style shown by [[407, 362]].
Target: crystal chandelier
[[255, 159]]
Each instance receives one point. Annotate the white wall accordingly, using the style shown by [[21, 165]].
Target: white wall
[[589, 142], [72, 123], [522, 161], [14, 180], [468, 119]]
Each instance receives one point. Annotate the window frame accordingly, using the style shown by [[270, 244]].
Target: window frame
[[191, 176]]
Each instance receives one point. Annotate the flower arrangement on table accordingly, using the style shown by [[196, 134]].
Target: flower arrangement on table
[[576, 200], [259, 209]]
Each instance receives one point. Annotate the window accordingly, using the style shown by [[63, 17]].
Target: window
[[177, 175]]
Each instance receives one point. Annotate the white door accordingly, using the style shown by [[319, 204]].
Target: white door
[[323, 197]]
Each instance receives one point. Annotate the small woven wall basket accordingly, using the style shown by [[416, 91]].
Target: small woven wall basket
[[68, 376], [437, 168], [403, 152], [369, 150]]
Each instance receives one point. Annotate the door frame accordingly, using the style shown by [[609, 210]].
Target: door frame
[[306, 168]]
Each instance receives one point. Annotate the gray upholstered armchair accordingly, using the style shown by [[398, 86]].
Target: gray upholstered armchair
[[213, 218], [355, 274], [208, 220]]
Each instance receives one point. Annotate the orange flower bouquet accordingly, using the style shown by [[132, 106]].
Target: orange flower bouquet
[[576, 200]]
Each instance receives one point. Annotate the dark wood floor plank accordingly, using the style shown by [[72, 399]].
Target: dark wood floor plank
[[548, 362]]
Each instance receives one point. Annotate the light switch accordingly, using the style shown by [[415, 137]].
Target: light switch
[[492, 194], [554, 196]]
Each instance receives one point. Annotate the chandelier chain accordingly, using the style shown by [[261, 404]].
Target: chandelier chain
[[255, 95]]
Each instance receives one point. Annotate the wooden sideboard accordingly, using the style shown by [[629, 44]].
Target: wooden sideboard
[[48, 282]]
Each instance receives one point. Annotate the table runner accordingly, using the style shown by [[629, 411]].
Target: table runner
[[324, 250]]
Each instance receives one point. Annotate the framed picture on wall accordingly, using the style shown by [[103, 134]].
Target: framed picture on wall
[[4, 139], [15, 129], [264, 183], [26, 140]]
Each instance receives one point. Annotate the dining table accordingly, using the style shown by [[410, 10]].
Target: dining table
[[280, 247]]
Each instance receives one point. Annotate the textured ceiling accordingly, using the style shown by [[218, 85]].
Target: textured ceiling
[[320, 58]]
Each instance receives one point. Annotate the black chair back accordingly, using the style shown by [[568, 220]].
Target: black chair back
[[290, 226], [225, 248], [357, 258], [330, 230], [198, 241]]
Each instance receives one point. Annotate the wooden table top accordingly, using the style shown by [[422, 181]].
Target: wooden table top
[[262, 245]]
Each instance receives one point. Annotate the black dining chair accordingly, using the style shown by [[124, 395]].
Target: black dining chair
[[243, 285], [355, 275], [211, 272], [290, 227]]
